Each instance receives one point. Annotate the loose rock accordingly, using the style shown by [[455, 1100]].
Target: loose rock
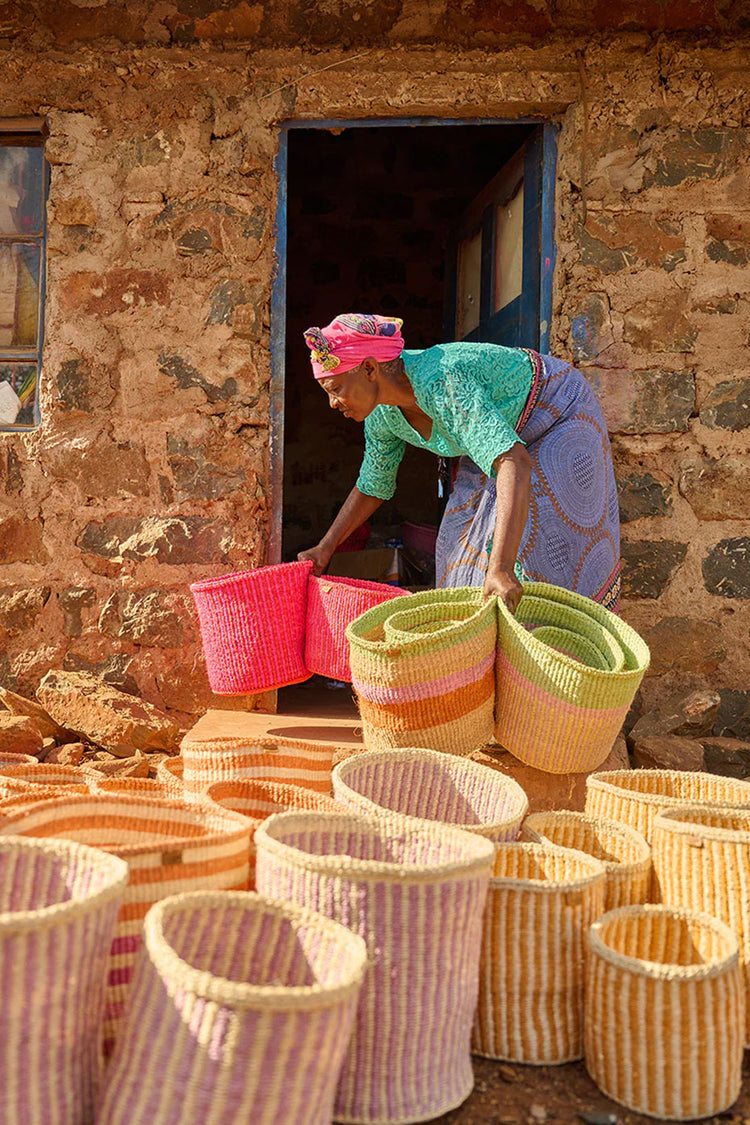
[[68, 755], [668, 752], [44, 723], [18, 735], [122, 767], [729, 757], [692, 715]]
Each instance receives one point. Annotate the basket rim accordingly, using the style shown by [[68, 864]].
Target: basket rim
[[671, 820], [233, 742], [366, 585], [615, 827], [548, 886], [242, 994], [607, 781], [371, 617], [241, 576]]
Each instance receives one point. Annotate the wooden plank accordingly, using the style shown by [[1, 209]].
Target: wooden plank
[[253, 724]]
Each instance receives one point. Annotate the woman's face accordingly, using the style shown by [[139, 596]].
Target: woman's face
[[355, 393]]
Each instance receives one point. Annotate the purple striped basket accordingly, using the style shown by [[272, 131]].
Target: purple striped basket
[[332, 604], [253, 628], [415, 891]]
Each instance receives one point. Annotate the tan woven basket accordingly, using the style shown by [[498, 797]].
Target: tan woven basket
[[634, 797], [133, 787], [541, 901], [288, 760], [241, 1011], [623, 851], [45, 780], [171, 772], [665, 1011]]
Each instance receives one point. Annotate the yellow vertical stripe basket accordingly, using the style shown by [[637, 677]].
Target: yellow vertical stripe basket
[[634, 797], [423, 670], [541, 901], [289, 760], [665, 1011], [702, 863], [623, 851]]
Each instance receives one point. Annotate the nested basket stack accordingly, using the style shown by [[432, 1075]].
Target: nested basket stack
[[432, 786], [541, 901], [332, 604], [665, 1011], [423, 671], [58, 908], [623, 851], [288, 760], [702, 862], [169, 847], [241, 1011], [415, 891], [567, 671]]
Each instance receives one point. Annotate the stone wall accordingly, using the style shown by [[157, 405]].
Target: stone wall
[[151, 467]]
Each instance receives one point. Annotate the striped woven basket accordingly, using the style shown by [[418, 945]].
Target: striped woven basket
[[415, 892], [623, 851], [541, 901], [702, 863], [332, 604], [423, 671], [133, 787], [432, 786], [289, 760], [567, 671], [241, 1011], [58, 908], [8, 759], [253, 628], [665, 1012], [169, 847], [171, 772], [634, 797], [59, 779]]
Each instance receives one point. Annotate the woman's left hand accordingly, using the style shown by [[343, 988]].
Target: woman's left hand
[[505, 585]]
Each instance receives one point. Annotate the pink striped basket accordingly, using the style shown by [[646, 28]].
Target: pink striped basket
[[332, 604], [253, 628], [241, 1011], [415, 891]]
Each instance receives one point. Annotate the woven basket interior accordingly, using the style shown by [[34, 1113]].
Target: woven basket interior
[[587, 834], [32, 879], [663, 938], [259, 799], [678, 785], [534, 862]]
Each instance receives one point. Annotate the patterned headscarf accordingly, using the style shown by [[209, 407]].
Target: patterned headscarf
[[351, 338]]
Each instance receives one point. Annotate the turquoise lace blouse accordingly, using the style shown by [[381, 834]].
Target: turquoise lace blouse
[[474, 393]]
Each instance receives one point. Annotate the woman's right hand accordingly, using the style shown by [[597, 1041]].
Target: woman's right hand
[[319, 556]]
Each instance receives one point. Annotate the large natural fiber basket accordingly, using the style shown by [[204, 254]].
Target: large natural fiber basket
[[241, 1011], [415, 892], [332, 604], [58, 908], [702, 862], [541, 901], [169, 847], [288, 760], [253, 628], [432, 786], [623, 851], [665, 1011], [423, 671], [567, 671], [634, 797]]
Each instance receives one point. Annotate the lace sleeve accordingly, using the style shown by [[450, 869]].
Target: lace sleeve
[[470, 412], [383, 453]]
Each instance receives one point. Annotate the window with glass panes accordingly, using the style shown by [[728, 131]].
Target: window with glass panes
[[23, 194]]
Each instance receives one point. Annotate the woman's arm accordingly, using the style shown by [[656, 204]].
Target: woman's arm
[[356, 509], [513, 474]]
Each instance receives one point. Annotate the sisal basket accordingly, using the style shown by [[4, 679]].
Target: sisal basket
[[332, 604], [415, 892], [48, 779], [623, 851], [702, 863], [423, 671], [665, 1012], [634, 797], [541, 901], [253, 628], [241, 1011], [567, 671], [169, 847], [432, 786], [133, 787], [58, 909], [171, 773], [288, 760], [8, 759]]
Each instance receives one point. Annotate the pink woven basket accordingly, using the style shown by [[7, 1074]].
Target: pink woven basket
[[253, 628], [332, 604]]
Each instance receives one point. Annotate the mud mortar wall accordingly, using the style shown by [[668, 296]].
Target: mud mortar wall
[[151, 467]]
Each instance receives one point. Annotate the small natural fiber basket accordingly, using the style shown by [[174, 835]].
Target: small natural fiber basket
[[241, 1011], [171, 772], [623, 851], [8, 759], [424, 671], [46, 780], [702, 863], [432, 786], [332, 604], [133, 787], [541, 901], [415, 891], [289, 760], [634, 797], [665, 1012], [253, 628], [58, 908], [169, 847]]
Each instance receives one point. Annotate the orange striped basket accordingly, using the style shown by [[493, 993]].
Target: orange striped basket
[[8, 759], [133, 787], [287, 760], [169, 847], [542, 899], [665, 1012], [171, 772]]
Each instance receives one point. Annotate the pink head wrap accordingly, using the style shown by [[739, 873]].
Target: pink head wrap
[[350, 338]]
